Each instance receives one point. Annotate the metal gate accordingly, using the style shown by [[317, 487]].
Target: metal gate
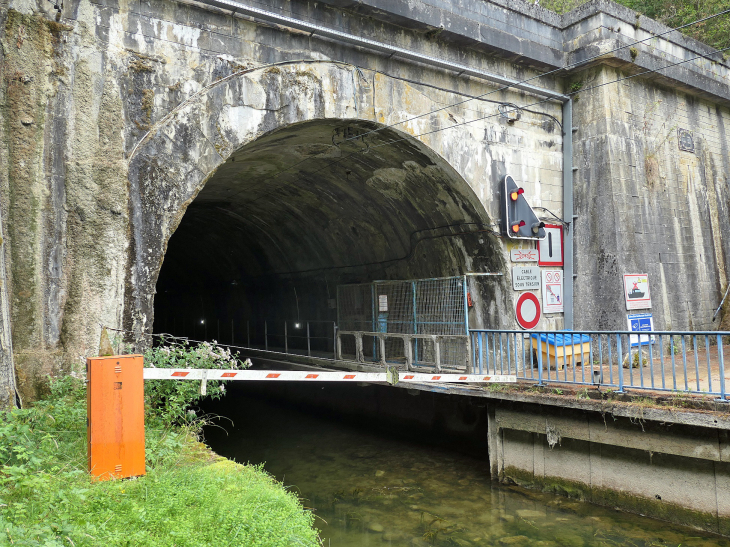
[[435, 306]]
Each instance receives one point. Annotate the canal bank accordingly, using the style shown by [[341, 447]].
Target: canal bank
[[188, 497], [668, 462]]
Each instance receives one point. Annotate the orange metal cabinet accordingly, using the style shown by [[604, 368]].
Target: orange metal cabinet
[[115, 416]]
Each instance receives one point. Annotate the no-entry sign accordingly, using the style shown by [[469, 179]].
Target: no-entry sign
[[528, 310]]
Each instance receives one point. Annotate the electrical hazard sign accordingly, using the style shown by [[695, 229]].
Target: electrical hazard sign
[[523, 255], [552, 291]]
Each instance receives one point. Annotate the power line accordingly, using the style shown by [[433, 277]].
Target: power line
[[483, 230], [577, 63], [471, 98], [338, 160], [545, 100], [415, 137]]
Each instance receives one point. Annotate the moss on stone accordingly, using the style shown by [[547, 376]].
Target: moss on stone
[[148, 101], [626, 501], [27, 42], [140, 65]]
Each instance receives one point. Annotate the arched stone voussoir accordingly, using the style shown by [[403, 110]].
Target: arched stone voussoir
[[174, 160]]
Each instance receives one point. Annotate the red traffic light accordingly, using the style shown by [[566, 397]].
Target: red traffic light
[[519, 221], [514, 194]]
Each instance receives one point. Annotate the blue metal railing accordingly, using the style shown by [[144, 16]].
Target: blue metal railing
[[686, 361]]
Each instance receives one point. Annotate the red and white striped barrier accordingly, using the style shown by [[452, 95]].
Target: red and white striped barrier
[[321, 376]]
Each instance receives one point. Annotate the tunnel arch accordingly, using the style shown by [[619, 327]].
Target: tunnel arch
[[275, 173]]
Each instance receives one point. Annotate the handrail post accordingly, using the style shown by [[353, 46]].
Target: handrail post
[[415, 317], [407, 352], [619, 357], [469, 367], [437, 352], [721, 360], [480, 359], [309, 344], [381, 348], [286, 339], [338, 346], [539, 358], [359, 356], [266, 335]]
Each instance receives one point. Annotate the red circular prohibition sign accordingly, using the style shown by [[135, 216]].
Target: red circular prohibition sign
[[528, 310]]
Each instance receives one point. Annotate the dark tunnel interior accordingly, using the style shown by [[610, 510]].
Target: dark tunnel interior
[[303, 209]]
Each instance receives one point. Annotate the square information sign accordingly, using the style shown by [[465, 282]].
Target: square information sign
[[525, 278], [636, 291], [641, 322], [552, 291]]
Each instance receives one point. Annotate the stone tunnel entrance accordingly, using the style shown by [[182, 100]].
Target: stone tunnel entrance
[[305, 208]]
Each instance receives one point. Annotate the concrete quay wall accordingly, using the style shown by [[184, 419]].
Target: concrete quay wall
[[671, 471], [666, 462]]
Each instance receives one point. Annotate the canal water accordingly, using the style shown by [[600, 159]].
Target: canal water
[[379, 486]]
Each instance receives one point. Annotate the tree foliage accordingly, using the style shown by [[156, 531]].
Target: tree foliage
[[673, 13]]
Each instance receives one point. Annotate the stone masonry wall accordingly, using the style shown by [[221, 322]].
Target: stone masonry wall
[[80, 94], [81, 90], [645, 206]]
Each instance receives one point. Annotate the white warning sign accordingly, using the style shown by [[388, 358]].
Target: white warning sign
[[523, 255], [636, 291], [552, 291], [525, 278], [550, 248]]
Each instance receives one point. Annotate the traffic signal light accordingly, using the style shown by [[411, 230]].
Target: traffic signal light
[[519, 221]]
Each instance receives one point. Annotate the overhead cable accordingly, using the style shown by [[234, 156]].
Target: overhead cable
[[582, 90], [566, 67], [416, 137]]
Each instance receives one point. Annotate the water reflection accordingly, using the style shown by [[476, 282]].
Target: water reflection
[[373, 489]]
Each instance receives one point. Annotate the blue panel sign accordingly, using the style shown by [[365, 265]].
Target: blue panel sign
[[641, 322]]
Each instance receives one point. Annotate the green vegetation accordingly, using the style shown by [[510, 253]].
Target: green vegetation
[[169, 402], [189, 496], [576, 86], [714, 32]]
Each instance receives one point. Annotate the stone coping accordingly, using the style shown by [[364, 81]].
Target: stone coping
[[645, 405]]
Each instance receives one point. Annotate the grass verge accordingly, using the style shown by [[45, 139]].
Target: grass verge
[[189, 497]]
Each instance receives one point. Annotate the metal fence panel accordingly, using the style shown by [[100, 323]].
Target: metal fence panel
[[419, 306], [680, 361]]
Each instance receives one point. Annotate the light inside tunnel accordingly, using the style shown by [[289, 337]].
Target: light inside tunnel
[[303, 209]]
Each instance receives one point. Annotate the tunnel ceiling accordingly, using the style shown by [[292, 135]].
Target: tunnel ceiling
[[305, 198]]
